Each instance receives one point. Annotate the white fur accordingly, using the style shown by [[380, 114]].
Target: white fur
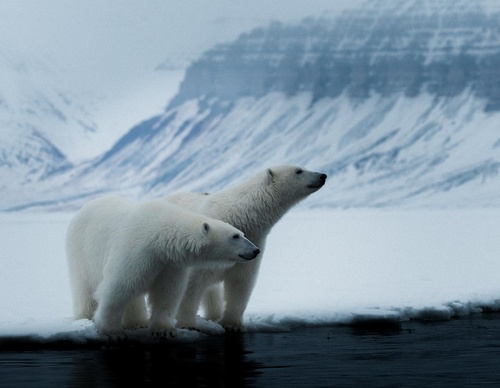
[[254, 207], [118, 251]]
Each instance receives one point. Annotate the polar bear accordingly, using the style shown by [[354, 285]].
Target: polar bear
[[117, 251], [253, 207]]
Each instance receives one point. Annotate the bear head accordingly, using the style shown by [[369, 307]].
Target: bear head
[[223, 243], [294, 182]]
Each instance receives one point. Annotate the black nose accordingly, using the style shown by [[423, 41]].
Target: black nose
[[323, 177], [256, 252]]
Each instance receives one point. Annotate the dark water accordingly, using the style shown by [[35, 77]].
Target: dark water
[[461, 352]]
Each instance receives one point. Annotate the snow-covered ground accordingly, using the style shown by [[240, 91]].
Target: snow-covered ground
[[320, 268]]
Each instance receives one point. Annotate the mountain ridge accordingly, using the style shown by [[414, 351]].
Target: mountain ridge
[[361, 51], [399, 107]]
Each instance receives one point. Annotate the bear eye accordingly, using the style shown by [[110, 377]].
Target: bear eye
[[299, 171], [236, 236]]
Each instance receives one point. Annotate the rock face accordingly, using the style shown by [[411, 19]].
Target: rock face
[[441, 47], [399, 103]]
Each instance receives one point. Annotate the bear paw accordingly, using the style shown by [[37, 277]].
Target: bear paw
[[113, 337], [110, 332], [203, 326], [233, 329], [163, 333]]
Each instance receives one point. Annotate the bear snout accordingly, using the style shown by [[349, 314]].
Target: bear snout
[[320, 182], [251, 256]]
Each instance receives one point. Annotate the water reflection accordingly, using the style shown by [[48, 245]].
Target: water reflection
[[216, 361], [451, 353]]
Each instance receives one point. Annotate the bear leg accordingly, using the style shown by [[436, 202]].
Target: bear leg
[[108, 319], [165, 297], [198, 283], [84, 304], [212, 302], [239, 282], [112, 298], [135, 315]]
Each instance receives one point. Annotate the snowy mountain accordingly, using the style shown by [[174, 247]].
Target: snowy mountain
[[48, 126], [398, 102], [44, 130]]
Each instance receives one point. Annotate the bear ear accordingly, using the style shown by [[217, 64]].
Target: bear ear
[[270, 175], [206, 228]]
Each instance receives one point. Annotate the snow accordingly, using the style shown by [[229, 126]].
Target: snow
[[321, 267]]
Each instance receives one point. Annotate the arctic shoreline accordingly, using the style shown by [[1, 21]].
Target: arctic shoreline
[[321, 267], [461, 352]]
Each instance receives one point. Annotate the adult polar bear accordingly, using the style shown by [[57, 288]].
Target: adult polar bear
[[118, 250], [253, 206]]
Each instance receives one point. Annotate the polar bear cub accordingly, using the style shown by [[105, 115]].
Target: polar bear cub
[[118, 251]]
